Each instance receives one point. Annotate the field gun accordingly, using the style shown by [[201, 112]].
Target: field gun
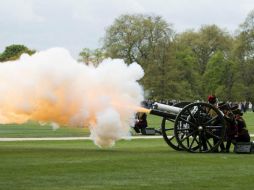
[[194, 127]]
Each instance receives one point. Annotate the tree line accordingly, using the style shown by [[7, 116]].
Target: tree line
[[188, 65], [185, 66]]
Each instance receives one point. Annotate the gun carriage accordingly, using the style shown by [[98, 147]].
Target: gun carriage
[[197, 127]]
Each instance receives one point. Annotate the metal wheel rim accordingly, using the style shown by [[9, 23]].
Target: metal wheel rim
[[169, 135], [193, 131]]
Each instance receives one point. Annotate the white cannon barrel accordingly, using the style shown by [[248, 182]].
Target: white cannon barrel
[[164, 107]]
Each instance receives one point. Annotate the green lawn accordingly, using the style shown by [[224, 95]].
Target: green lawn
[[249, 118], [33, 129], [136, 164]]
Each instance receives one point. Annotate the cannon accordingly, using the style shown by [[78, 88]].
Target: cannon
[[194, 127]]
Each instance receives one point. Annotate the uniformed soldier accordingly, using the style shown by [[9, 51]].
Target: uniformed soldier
[[141, 123]]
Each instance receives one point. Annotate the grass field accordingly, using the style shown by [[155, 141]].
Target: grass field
[[136, 164], [33, 129]]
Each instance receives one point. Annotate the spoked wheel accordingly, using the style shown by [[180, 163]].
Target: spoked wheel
[[167, 129], [199, 127]]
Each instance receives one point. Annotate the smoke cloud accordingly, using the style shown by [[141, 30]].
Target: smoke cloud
[[50, 86]]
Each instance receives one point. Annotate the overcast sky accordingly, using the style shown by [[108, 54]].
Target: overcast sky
[[76, 24]]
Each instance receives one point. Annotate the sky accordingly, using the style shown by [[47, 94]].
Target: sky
[[78, 24]]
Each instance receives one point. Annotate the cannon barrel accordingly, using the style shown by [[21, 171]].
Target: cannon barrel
[[166, 108], [165, 111], [163, 114]]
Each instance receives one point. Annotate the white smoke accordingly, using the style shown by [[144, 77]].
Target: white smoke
[[50, 86]]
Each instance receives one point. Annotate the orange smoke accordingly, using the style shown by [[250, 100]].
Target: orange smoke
[[143, 110], [51, 86]]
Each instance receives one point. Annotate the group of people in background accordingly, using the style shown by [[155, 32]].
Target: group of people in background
[[246, 106]]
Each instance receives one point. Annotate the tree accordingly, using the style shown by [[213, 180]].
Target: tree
[[244, 55], [85, 56], [219, 77], [89, 56], [200, 47], [206, 42], [14, 51], [146, 40], [98, 56], [187, 66]]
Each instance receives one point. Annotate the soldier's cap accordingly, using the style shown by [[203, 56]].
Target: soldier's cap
[[212, 99]]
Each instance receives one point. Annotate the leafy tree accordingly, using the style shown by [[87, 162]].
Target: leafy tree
[[14, 51], [187, 67], [200, 47], [219, 77], [244, 55], [89, 56], [98, 56], [135, 37], [85, 56], [146, 40], [205, 43]]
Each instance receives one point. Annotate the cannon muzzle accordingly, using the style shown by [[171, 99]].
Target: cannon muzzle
[[165, 111], [163, 114], [166, 108], [162, 110]]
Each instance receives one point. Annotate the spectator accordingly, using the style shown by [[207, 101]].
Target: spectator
[[250, 106]]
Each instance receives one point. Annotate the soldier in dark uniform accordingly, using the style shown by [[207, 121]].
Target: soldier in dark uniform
[[141, 123], [242, 134], [236, 128], [231, 129], [213, 101]]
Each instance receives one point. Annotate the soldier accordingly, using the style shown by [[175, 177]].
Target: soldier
[[230, 124], [213, 101], [242, 134], [141, 123]]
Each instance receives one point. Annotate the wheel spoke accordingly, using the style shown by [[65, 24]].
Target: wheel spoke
[[187, 136], [190, 123], [192, 117], [208, 142], [192, 142], [188, 142], [171, 138], [169, 129], [199, 144], [217, 137], [198, 113]]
